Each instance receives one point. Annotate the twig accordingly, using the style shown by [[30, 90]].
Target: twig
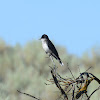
[[86, 95], [52, 60], [79, 69], [28, 95], [88, 69], [84, 88], [73, 91], [70, 71], [53, 64], [95, 78], [93, 92], [58, 85], [60, 77]]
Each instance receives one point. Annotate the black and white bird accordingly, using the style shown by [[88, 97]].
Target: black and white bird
[[50, 48]]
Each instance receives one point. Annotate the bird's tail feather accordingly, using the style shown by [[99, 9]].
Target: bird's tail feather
[[61, 63]]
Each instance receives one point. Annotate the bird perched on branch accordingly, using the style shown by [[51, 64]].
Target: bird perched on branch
[[50, 48]]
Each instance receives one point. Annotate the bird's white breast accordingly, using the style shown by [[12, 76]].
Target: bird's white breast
[[45, 46]]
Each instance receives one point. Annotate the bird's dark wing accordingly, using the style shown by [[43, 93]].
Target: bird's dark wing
[[53, 49]]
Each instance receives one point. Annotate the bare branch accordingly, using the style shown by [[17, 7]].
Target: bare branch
[[70, 71], [95, 78], [93, 92], [88, 69], [28, 95], [73, 91], [58, 85]]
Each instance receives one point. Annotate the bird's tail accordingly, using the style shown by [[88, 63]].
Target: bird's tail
[[61, 63]]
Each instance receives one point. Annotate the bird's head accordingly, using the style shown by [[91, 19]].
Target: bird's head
[[44, 36]]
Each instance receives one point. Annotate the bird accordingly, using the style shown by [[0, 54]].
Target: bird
[[49, 48]]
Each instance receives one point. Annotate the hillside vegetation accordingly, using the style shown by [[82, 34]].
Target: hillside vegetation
[[26, 68]]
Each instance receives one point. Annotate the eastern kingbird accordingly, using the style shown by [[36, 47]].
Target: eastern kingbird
[[50, 48]]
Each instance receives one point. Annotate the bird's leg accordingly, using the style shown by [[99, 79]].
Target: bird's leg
[[52, 60], [53, 63]]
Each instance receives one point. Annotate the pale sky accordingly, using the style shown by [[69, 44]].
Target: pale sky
[[74, 24]]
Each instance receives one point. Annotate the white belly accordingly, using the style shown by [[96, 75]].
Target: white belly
[[45, 47]]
